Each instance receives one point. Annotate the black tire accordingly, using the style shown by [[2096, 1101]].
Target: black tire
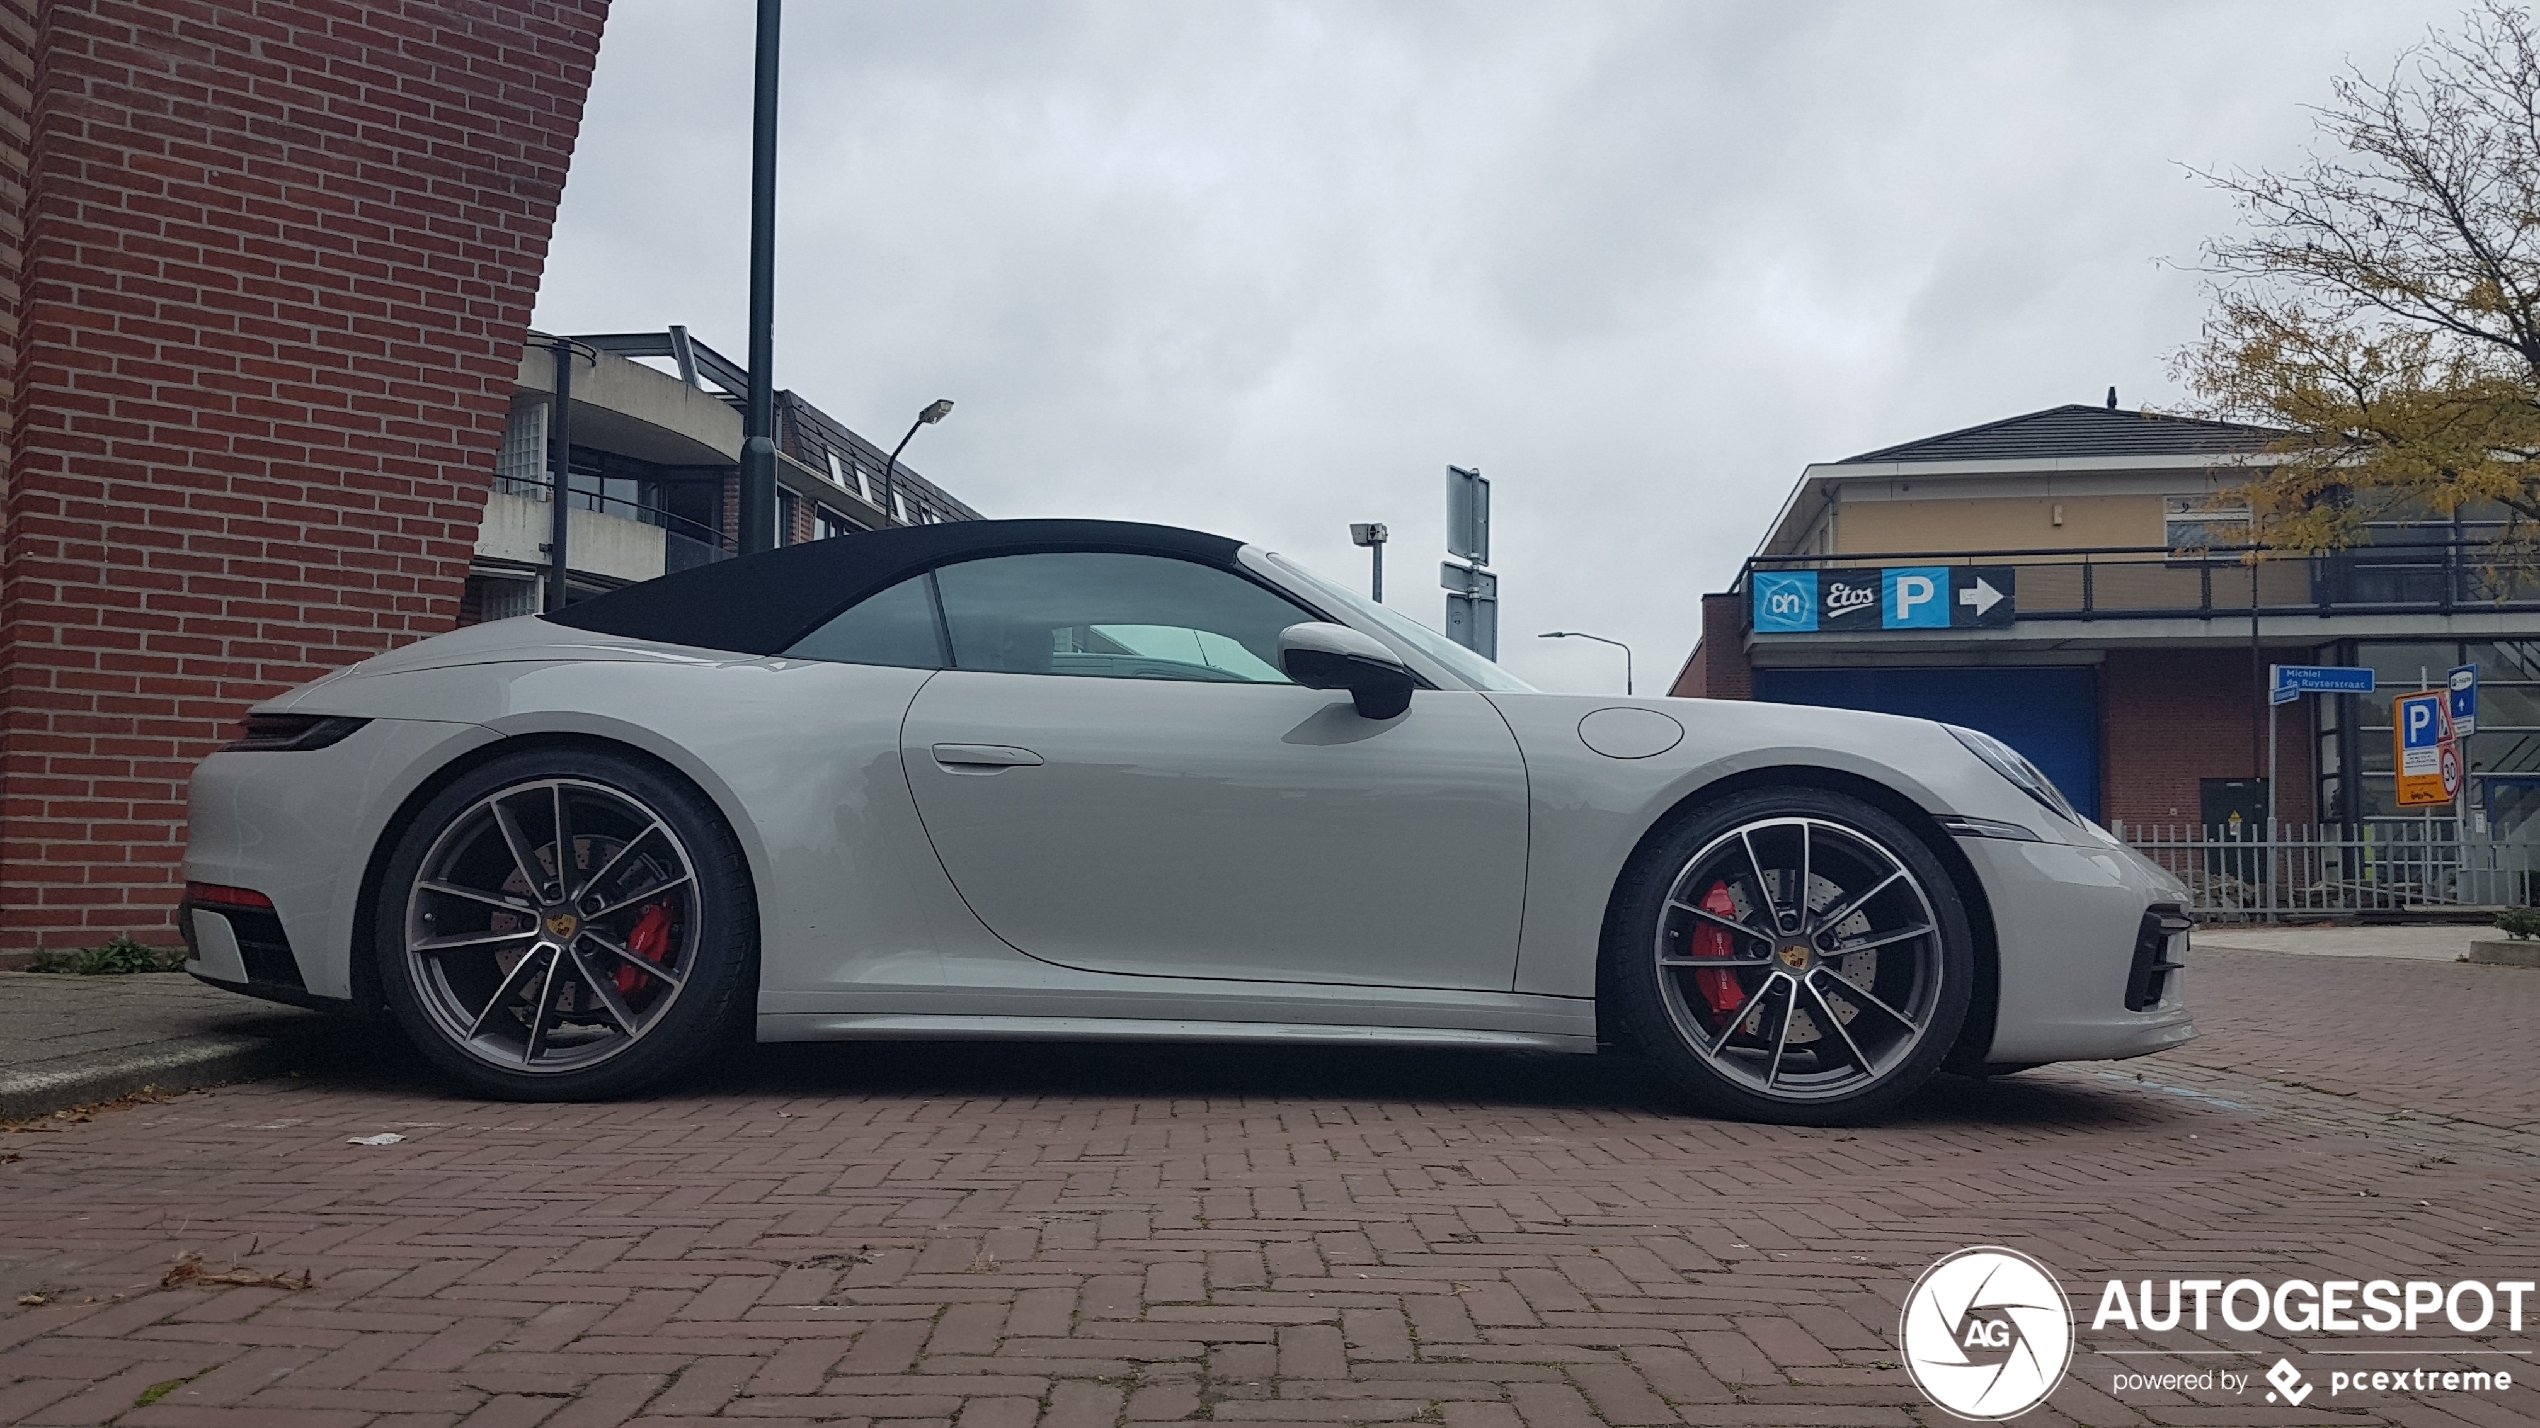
[[610, 979], [1730, 1016]]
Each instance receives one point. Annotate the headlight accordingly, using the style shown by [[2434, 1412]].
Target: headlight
[[2009, 763]]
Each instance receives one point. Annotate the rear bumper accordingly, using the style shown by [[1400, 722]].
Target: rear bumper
[[299, 827], [2069, 922]]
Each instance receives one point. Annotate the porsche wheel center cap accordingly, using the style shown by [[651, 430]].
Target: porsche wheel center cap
[[561, 926], [1794, 955]]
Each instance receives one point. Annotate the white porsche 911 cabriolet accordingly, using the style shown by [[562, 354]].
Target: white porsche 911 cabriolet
[[1077, 779]]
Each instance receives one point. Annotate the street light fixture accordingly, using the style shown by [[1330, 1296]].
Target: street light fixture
[[1600, 639], [933, 412], [1372, 535]]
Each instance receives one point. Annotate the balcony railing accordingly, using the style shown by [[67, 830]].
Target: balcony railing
[[803, 431], [685, 543], [2222, 582]]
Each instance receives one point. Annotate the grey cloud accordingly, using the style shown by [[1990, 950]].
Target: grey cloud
[[1266, 269]]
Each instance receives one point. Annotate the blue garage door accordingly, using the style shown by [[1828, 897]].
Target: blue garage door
[[2051, 715]]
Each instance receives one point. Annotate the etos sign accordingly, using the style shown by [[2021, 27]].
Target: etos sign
[[1900, 597]]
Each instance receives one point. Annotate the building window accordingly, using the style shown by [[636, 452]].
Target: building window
[[521, 468], [2203, 522], [789, 509], [624, 497], [497, 597], [828, 524]]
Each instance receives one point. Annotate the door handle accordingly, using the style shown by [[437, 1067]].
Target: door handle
[[985, 756]]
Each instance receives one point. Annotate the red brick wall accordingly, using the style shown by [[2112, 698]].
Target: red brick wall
[[2169, 718], [279, 262], [1718, 667]]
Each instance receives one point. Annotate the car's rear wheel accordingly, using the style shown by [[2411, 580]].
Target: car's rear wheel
[[1791, 955], [565, 923]]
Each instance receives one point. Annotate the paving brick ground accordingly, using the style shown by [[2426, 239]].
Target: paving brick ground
[[910, 1237]]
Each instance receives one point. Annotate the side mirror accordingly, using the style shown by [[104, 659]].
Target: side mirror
[[1326, 656]]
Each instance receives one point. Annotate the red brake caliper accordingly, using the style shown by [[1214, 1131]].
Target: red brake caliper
[[1719, 985], [650, 941]]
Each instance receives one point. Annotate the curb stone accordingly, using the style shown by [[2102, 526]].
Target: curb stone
[[185, 1064], [2505, 952]]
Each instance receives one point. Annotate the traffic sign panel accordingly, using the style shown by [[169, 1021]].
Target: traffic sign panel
[[2428, 759], [2462, 684], [2292, 681], [1907, 597]]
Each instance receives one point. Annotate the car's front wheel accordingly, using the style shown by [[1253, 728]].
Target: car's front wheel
[[565, 923], [1791, 955]]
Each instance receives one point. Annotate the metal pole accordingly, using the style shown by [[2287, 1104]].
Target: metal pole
[[758, 431], [2271, 824], [1377, 582], [560, 465], [891, 468]]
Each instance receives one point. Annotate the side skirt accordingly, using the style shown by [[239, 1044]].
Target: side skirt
[[897, 1027]]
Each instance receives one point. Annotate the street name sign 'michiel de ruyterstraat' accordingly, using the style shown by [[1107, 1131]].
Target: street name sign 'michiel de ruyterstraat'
[[2292, 681]]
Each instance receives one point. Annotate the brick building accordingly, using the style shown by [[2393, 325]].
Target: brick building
[[2076, 581], [265, 274]]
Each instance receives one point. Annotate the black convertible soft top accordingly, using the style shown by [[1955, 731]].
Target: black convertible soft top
[[761, 604]]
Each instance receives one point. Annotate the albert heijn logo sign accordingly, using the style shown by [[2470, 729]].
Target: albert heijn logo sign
[[1897, 597]]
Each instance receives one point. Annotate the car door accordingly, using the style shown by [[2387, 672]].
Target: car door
[[1118, 778]]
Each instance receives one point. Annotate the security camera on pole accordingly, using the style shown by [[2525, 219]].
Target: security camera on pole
[[1372, 535], [1472, 600]]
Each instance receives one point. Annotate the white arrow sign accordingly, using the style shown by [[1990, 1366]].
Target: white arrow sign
[[1983, 596]]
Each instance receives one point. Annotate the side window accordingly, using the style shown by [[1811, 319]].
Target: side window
[[1113, 616], [894, 627]]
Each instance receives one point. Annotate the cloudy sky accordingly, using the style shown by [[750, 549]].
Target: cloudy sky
[[1267, 268]]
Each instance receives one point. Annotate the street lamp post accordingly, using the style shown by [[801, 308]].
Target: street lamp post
[[1600, 639], [1372, 535], [933, 412], [758, 418], [560, 471]]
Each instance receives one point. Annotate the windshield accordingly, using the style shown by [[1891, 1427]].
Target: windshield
[[1468, 666]]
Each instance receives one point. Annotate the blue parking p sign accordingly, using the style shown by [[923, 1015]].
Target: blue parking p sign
[[1785, 601], [1916, 597]]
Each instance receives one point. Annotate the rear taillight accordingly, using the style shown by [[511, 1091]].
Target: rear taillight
[[273, 733]]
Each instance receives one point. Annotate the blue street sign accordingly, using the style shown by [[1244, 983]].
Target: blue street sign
[[2464, 686], [1914, 597], [1785, 601], [2292, 681]]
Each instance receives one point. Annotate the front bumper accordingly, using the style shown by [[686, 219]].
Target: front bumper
[[2067, 922]]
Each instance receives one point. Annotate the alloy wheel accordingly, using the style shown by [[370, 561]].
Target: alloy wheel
[[552, 925], [1800, 958]]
